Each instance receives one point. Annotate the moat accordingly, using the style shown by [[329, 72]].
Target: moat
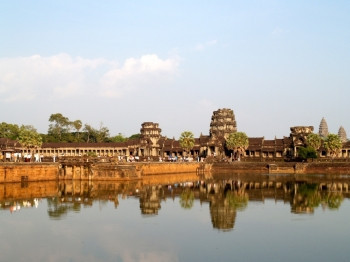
[[224, 217]]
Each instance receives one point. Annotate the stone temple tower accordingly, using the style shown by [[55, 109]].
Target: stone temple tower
[[323, 130], [151, 131], [222, 123], [342, 134], [150, 134]]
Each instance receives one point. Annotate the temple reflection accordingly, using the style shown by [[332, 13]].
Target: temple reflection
[[226, 196], [150, 198]]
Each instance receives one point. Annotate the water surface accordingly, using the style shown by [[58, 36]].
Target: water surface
[[231, 218]]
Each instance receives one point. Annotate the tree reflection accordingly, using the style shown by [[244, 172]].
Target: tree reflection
[[237, 199], [223, 215], [187, 198], [56, 209], [306, 198], [333, 200]]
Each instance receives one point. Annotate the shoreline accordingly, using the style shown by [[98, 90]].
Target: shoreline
[[25, 172]]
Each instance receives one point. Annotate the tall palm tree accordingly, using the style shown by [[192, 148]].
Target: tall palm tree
[[238, 142], [333, 144], [314, 141], [187, 140]]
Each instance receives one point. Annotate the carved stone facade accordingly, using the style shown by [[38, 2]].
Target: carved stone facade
[[222, 123], [299, 136], [150, 136]]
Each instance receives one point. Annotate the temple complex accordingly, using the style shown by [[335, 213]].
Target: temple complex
[[153, 146]]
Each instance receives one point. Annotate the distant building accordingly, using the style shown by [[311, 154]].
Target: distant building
[[323, 130], [342, 134]]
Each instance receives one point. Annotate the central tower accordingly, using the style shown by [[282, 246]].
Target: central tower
[[222, 123]]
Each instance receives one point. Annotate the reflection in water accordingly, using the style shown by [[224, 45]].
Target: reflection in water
[[332, 200], [237, 199], [226, 196], [57, 209], [187, 198], [222, 214], [150, 197], [307, 197]]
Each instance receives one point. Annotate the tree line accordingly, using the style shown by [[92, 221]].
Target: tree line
[[61, 129]]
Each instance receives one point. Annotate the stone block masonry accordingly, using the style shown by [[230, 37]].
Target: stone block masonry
[[26, 172]]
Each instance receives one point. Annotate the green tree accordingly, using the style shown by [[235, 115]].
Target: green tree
[[135, 136], [333, 144], [237, 142], [314, 141], [102, 134], [119, 138], [10, 131], [307, 152], [96, 135], [187, 140], [29, 137], [89, 132], [77, 125], [59, 125]]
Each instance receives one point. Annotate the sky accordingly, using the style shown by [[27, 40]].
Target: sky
[[118, 64]]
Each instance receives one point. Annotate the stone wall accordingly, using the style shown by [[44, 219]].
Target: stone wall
[[332, 168], [27, 172], [147, 169], [98, 171], [24, 172], [282, 168], [239, 166]]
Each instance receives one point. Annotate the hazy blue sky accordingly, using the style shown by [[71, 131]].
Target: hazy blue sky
[[275, 63]]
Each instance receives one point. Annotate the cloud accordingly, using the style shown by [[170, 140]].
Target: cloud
[[149, 70], [203, 46], [61, 76]]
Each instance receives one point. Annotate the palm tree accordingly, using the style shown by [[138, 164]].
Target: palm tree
[[314, 141], [238, 142], [186, 140], [333, 144]]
